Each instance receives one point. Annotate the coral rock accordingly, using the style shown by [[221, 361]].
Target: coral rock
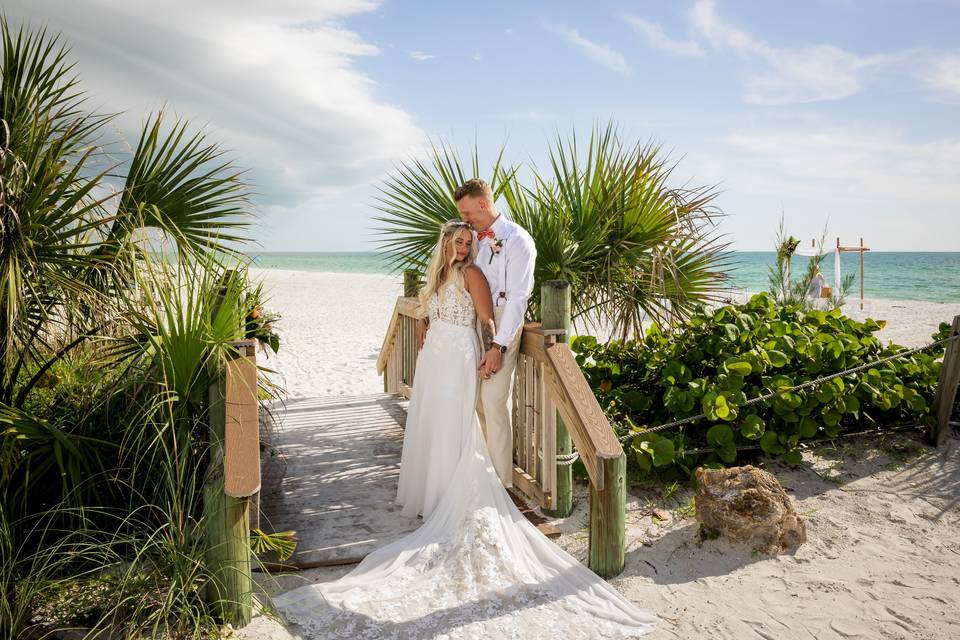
[[746, 504]]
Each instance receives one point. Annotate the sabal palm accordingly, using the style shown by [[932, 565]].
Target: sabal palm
[[74, 225], [603, 217], [418, 199], [65, 238]]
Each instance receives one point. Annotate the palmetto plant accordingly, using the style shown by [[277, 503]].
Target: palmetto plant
[[72, 224], [107, 347], [603, 217], [59, 220], [418, 198]]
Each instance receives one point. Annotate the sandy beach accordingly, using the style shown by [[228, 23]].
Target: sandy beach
[[333, 326], [882, 558]]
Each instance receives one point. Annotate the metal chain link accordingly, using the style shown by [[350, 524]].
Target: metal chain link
[[568, 459]]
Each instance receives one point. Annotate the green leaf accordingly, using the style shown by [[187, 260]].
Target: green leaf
[[793, 457], [732, 332], [808, 427], [737, 366], [663, 454], [777, 358], [770, 443], [752, 427], [719, 435]]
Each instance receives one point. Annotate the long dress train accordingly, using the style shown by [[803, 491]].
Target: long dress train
[[476, 568]]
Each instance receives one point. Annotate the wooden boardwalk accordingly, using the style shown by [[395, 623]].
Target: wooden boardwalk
[[332, 478]]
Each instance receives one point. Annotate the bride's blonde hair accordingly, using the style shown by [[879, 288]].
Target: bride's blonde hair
[[442, 268]]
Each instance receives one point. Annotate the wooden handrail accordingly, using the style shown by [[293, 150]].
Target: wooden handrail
[[404, 307], [571, 393]]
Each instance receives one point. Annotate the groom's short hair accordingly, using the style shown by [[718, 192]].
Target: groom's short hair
[[475, 188]]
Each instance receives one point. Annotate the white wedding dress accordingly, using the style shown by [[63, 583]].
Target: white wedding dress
[[476, 568]]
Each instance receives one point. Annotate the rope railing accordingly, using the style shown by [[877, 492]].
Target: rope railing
[[570, 458]]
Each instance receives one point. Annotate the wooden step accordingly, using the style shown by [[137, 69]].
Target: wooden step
[[545, 526]]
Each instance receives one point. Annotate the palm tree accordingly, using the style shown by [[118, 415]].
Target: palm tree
[[66, 239], [87, 293], [603, 218]]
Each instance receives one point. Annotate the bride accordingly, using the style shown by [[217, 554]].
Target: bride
[[476, 568]]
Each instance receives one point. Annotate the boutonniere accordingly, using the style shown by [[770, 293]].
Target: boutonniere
[[495, 245]]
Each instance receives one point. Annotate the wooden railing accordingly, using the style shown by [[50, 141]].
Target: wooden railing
[[398, 355], [551, 398]]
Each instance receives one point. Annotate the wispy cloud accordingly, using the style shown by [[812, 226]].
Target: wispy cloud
[[806, 74], [655, 36], [295, 107], [476, 57], [943, 76], [850, 161], [420, 55], [598, 52]]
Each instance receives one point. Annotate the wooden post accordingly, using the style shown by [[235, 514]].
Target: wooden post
[[946, 389], [411, 283], [605, 553], [555, 314], [227, 533], [861, 274]]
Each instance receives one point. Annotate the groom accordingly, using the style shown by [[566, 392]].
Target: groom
[[506, 255]]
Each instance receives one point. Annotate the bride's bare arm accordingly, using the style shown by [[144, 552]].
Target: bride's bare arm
[[480, 292]]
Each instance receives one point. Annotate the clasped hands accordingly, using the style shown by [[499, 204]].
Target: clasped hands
[[490, 362]]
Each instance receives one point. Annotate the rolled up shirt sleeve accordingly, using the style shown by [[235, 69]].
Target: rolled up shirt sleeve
[[521, 260]]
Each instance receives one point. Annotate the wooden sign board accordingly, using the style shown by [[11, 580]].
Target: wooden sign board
[[241, 446]]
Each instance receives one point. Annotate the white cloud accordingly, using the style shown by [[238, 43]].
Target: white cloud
[[599, 52], [943, 75], [655, 36], [854, 161], [476, 57], [865, 179], [420, 55], [276, 81], [805, 74]]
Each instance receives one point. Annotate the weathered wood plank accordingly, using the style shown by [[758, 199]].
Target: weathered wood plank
[[532, 342], [520, 380], [241, 445], [605, 554], [549, 447], [536, 442], [943, 400], [404, 307], [333, 478], [524, 482]]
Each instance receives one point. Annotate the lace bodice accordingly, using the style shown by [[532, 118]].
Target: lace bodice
[[456, 307]]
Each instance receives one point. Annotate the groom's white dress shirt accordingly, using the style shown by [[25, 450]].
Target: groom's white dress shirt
[[515, 264]]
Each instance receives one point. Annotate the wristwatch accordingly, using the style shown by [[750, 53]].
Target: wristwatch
[[502, 348]]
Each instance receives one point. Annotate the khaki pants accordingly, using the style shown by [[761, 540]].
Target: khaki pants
[[494, 408]]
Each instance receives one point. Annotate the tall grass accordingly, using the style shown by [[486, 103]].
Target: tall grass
[[107, 351]]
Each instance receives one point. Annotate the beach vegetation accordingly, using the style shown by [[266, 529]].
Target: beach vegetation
[[795, 291], [724, 357], [108, 348], [604, 215]]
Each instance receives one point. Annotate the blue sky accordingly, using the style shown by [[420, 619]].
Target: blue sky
[[844, 112]]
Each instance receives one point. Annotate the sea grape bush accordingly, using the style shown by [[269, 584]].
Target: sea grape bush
[[720, 358]]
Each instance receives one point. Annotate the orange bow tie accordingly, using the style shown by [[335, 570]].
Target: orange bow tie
[[486, 234]]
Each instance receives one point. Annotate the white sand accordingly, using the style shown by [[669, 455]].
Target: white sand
[[331, 330], [883, 523]]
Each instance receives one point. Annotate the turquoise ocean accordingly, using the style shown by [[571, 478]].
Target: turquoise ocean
[[932, 276]]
